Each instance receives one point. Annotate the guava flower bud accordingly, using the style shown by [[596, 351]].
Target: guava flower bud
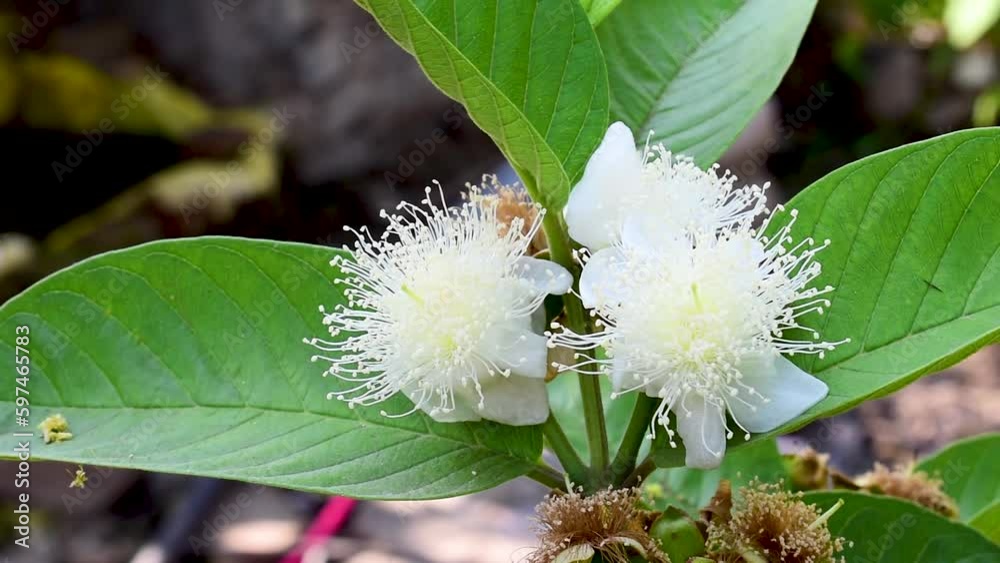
[[652, 192]]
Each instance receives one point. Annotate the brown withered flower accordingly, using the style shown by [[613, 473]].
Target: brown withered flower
[[609, 523], [906, 483], [770, 525]]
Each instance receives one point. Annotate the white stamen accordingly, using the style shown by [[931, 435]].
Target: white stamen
[[424, 302]]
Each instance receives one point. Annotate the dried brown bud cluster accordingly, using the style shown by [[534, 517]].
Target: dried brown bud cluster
[[513, 205], [610, 523], [904, 482], [768, 524]]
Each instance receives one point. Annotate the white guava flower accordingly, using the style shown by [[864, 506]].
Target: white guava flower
[[701, 322], [655, 192], [441, 308]]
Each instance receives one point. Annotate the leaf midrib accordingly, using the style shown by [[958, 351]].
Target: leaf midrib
[[362, 422], [682, 63], [96, 264], [457, 53]]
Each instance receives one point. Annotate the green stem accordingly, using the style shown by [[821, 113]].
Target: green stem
[[568, 457], [597, 436], [559, 246], [641, 472], [548, 477], [590, 386], [638, 426]]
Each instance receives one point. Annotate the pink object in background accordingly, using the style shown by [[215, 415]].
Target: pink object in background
[[327, 524]]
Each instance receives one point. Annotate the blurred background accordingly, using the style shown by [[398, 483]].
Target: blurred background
[[124, 121]]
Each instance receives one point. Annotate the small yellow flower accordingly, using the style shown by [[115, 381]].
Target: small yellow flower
[[79, 478], [55, 428]]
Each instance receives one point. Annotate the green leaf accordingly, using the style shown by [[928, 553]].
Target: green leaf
[[691, 489], [968, 20], [695, 73], [597, 10], [968, 469], [889, 529], [567, 404], [529, 72], [186, 356], [914, 260], [987, 521]]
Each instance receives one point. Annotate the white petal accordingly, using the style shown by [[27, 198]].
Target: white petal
[[702, 426], [545, 276], [600, 282], [648, 233], [595, 208], [536, 322], [512, 347], [518, 401], [461, 413], [621, 379], [789, 392]]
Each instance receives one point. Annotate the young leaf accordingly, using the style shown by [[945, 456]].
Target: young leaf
[[695, 73], [186, 356], [529, 72], [882, 528], [914, 261], [968, 469]]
